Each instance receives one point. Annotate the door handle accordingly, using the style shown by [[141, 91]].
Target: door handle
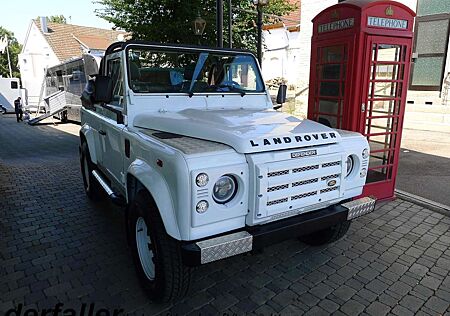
[[102, 132]]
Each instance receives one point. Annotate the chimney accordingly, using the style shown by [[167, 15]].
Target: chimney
[[44, 27]]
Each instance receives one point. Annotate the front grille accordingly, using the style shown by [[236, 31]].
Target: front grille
[[274, 202], [328, 190], [303, 195], [331, 176], [278, 187], [284, 186], [299, 183], [278, 173], [331, 164], [302, 169]]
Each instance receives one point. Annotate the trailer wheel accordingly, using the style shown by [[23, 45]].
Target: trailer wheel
[[328, 235], [63, 116], [156, 255], [91, 186]]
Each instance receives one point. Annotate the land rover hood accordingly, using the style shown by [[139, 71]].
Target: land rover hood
[[247, 131]]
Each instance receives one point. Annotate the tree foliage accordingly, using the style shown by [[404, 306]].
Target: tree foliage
[[14, 50], [61, 19], [172, 21]]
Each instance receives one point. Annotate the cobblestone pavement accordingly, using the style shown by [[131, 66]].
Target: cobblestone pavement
[[57, 246]]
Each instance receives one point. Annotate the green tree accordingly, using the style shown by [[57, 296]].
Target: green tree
[[171, 21], [61, 19], [14, 50]]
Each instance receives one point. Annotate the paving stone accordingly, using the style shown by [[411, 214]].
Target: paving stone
[[412, 303], [438, 305], [431, 282], [352, 307], [402, 311], [377, 308], [344, 292], [308, 299], [377, 286]]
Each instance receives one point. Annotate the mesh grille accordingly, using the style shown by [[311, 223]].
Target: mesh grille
[[331, 176], [274, 202], [331, 164], [278, 173], [278, 187], [298, 183], [328, 190], [303, 195], [302, 169]]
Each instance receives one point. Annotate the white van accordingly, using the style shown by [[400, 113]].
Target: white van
[[9, 91]]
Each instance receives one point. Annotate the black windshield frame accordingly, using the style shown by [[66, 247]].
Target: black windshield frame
[[251, 61]]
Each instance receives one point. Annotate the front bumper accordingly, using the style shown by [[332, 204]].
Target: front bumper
[[257, 237]]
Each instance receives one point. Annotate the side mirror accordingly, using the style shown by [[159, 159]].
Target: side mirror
[[281, 95], [87, 97], [90, 65], [103, 89]]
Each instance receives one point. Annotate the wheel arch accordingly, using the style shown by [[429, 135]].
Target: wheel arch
[[141, 176], [87, 135]]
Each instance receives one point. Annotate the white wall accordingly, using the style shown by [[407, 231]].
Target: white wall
[[36, 55], [309, 9]]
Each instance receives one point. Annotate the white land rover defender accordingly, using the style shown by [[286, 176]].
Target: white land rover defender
[[187, 139]]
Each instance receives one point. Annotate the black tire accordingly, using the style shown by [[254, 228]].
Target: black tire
[[328, 235], [91, 186], [171, 277]]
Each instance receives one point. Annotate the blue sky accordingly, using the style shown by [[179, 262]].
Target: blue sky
[[17, 14]]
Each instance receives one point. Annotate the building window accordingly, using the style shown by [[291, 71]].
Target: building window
[[14, 85], [430, 44]]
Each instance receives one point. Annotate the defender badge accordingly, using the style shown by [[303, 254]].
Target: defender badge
[[331, 183], [300, 154]]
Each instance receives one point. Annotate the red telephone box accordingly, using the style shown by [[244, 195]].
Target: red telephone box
[[360, 62]]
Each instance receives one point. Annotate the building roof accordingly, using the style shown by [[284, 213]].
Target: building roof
[[293, 18], [68, 40], [290, 21]]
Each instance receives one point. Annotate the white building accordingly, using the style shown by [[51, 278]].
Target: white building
[[48, 44]]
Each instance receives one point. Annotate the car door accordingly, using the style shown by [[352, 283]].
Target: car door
[[111, 126]]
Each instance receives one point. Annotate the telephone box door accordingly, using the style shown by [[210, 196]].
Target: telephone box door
[[332, 60], [382, 109]]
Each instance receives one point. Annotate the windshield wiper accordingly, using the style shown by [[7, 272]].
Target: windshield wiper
[[232, 88]]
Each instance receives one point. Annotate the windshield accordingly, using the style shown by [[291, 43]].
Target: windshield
[[152, 70]]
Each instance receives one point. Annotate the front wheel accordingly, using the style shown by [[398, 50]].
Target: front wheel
[[328, 235], [156, 255]]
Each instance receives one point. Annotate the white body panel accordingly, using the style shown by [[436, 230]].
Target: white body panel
[[277, 160]]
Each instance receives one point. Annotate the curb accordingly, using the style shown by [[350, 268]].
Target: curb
[[432, 205]]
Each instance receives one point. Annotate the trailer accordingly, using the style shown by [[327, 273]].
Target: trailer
[[9, 91], [62, 88]]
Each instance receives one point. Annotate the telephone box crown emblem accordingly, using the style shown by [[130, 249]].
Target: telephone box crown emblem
[[389, 11], [335, 14]]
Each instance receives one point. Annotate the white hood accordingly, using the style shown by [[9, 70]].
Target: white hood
[[247, 131]]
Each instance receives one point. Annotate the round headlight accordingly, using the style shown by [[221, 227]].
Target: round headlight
[[224, 189], [202, 207], [365, 153], [349, 164], [202, 179]]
